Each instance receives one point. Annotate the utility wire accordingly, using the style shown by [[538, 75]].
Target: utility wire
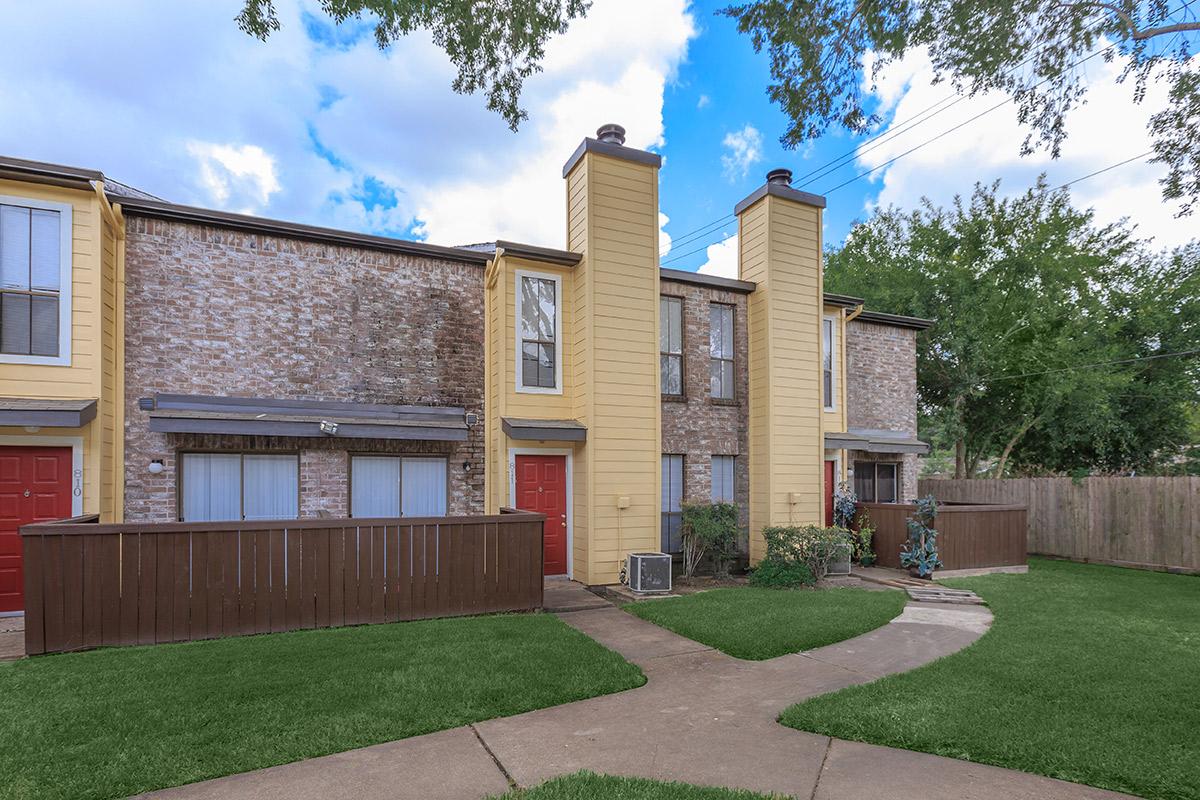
[[1179, 354]]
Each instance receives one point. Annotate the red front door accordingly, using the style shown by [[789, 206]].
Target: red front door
[[35, 485], [542, 487], [829, 485]]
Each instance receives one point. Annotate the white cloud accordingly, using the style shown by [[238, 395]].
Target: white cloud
[[664, 238], [745, 150], [703, 101], [1108, 129], [345, 136], [721, 259], [241, 178]]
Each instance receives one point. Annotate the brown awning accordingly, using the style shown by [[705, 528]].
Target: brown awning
[[544, 430], [252, 416], [47, 413], [875, 441]]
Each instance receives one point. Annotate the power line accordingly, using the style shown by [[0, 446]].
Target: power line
[[1105, 169], [708, 227], [1134, 360], [697, 250]]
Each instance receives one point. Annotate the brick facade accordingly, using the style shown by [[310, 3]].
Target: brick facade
[[214, 311], [881, 389], [696, 426]]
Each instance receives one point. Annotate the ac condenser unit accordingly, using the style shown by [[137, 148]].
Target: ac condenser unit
[[840, 563], [649, 572]]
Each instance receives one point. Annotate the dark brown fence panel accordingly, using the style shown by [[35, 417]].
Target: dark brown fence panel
[[89, 585], [1152, 523], [969, 536]]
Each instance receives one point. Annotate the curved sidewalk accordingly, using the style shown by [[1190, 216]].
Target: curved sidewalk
[[703, 717]]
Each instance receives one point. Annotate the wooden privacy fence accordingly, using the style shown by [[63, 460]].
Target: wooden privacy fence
[[1152, 523], [969, 536], [90, 585]]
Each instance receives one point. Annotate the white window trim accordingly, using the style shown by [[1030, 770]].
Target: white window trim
[[65, 241], [519, 375], [76, 445], [513, 452], [833, 361]]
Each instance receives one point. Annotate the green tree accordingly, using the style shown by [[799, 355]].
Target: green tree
[[494, 46], [1030, 49], [1025, 291]]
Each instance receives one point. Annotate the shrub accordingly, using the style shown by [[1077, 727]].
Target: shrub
[[810, 545], [861, 538], [920, 550], [773, 573], [845, 505], [708, 529]]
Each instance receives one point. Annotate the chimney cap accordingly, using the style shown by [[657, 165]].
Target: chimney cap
[[780, 177], [611, 133]]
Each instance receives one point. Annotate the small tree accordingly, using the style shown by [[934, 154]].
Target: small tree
[[845, 505], [708, 529], [920, 551]]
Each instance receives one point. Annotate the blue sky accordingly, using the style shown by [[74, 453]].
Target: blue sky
[[317, 125]]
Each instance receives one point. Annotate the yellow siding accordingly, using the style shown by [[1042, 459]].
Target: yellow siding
[[780, 250], [96, 368]]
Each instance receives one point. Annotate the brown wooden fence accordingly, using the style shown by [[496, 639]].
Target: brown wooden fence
[[969, 536], [1152, 523], [90, 585]]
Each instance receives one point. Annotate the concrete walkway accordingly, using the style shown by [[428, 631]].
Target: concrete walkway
[[702, 717]]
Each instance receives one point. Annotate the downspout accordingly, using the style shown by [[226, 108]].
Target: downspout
[[113, 215], [858, 309]]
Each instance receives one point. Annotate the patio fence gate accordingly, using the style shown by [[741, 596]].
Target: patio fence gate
[[90, 585]]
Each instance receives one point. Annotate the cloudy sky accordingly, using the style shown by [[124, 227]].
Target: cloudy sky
[[318, 125]]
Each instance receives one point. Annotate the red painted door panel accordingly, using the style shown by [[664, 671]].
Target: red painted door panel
[[829, 479], [35, 485], [542, 487]]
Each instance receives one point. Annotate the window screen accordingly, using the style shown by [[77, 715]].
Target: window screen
[[30, 270], [233, 486], [670, 345], [393, 486], [538, 329], [720, 345], [827, 361], [876, 481], [672, 497], [722, 479]]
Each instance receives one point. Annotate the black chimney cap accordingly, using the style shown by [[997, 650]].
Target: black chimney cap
[[781, 176], [611, 133]]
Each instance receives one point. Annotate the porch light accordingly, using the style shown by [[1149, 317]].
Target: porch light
[[156, 466]]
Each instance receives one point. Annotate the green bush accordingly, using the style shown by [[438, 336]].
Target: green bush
[[778, 574], [861, 538], [708, 529], [810, 545]]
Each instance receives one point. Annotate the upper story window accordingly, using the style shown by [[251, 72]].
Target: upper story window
[[720, 347], [35, 281], [539, 329], [828, 347], [670, 345]]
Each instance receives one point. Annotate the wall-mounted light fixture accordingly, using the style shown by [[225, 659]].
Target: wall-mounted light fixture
[[328, 428], [156, 466]]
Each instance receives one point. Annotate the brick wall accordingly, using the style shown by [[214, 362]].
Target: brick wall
[[697, 426], [881, 389], [221, 312]]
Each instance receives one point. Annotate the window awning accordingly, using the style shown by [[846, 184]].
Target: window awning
[[47, 413], [875, 441], [544, 430], [253, 416]]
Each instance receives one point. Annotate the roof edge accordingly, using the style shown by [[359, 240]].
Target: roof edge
[[590, 145], [843, 300], [895, 320], [711, 281], [160, 209], [547, 255], [781, 191], [21, 169]]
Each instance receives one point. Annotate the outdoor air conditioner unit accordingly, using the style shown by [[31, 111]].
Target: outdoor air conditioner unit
[[649, 572], [840, 563]]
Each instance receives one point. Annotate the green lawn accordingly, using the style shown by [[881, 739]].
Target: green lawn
[[1089, 674], [589, 786], [763, 623], [110, 723]]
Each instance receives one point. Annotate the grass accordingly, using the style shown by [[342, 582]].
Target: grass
[[1089, 674], [589, 786], [110, 723], [756, 624]]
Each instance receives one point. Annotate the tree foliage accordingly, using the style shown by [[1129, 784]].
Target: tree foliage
[[494, 46], [1031, 49], [1028, 292]]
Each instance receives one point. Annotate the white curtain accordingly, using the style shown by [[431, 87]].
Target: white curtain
[[272, 489], [212, 486], [375, 486], [423, 487], [722, 479]]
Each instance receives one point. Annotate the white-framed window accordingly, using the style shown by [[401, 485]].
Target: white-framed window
[[398, 486], [539, 332], [828, 360], [720, 347], [670, 345], [877, 481], [672, 500], [722, 479], [35, 281], [232, 486]]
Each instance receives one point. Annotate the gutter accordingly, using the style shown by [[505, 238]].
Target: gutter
[[858, 309]]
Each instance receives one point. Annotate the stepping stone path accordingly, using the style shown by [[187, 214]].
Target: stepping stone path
[[924, 591]]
